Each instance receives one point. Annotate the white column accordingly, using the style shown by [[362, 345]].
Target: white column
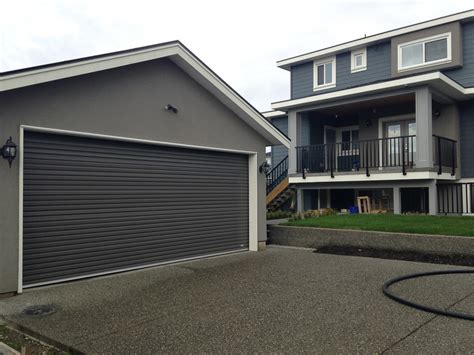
[[397, 206], [432, 198], [299, 200], [424, 128], [293, 133]]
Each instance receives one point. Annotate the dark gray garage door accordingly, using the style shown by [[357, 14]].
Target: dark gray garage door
[[93, 206]]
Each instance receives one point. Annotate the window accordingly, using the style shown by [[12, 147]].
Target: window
[[358, 60], [424, 52], [325, 74]]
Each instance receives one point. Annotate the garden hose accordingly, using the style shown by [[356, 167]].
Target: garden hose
[[422, 307]]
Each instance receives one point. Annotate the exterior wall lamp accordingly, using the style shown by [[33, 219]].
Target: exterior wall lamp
[[264, 167], [9, 151]]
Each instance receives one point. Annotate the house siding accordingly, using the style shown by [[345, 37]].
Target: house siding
[[279, 152], [467, 143], [378, 69], [465, 75]]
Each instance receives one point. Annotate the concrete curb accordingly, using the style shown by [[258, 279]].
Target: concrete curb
[[310, 237]]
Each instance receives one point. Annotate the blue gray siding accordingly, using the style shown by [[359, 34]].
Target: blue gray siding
[[465, 75], [378, 69], [279, 152], [467, 142]]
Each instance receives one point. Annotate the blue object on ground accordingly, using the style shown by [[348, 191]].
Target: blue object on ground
[[353, 210]]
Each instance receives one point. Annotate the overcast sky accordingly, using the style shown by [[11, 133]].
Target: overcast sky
[[240, 40]]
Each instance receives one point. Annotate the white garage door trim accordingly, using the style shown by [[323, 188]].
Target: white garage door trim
[[253, 193]]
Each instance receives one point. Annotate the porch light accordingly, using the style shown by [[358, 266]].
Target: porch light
[[9, 151]]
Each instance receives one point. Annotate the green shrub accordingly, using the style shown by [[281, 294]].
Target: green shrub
[[279, 214]]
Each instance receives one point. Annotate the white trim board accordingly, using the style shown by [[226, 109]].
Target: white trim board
[[438, 80], [176, 52], [273, 114], [288, 62], [415, 175], [253, 189]]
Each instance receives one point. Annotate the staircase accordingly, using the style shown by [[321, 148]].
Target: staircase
[[278, 188]]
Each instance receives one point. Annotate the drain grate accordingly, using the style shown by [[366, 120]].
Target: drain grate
[[40, 310]]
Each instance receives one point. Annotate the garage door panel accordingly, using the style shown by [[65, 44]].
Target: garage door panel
[[93, 206], [87, 251], [105, 265], [73, 231]]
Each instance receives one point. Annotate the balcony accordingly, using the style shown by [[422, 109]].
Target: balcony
[[374, 155]]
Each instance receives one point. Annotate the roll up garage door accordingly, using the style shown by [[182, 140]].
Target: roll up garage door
[[93, 206]]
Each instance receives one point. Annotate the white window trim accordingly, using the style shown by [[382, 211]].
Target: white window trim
[[424, 41], [332, 84], [354, 68]]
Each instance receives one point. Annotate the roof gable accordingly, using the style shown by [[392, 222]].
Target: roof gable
[[176, 52]]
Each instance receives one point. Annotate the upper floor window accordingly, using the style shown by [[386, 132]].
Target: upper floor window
[[358, 60], [325, 74], [424, 52]]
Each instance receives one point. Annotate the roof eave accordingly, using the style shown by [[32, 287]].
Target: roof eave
[[437, 80], [289, 62]]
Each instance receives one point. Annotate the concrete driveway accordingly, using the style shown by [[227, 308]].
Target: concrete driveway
[[280, 300]]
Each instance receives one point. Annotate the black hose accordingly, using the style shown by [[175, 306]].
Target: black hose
[[439, 311]]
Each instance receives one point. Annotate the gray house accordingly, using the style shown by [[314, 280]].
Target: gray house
[[388, 116], [123, 161]]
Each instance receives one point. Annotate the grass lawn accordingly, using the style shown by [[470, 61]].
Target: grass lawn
[[445, 225]]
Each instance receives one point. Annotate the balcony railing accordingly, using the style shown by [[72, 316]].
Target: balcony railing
[[358, 155], [445, 154]]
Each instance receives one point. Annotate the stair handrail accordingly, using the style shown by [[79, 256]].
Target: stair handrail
[[277, 174]]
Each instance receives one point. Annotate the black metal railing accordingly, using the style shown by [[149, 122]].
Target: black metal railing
[[445, 154], [455, 198], [277, 174], [357, 155]]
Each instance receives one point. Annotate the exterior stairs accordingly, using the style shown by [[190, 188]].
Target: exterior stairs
[[278, 188]]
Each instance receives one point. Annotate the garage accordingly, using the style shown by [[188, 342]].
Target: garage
[[123, 161], [94, 206]]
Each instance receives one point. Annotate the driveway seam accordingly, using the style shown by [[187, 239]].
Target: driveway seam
[[425, 323]]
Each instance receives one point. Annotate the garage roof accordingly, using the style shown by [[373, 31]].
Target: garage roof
[[176, 52]]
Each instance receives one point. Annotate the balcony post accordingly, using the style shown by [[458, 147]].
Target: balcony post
[[453, 158], [440, 163], [424, 128], [294, 124]]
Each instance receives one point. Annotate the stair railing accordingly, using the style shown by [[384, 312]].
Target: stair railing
[[277, 174]]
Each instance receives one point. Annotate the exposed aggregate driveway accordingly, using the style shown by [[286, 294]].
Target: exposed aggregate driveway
[[280, 300]]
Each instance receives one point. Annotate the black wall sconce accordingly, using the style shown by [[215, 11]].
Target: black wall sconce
[[169, 107], [9, 151], [264, 167]]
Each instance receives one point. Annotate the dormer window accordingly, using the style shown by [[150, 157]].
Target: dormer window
[[325, 74], [358, 60], [424, 52]]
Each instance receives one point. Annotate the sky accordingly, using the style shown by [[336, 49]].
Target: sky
[[240, 40]]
